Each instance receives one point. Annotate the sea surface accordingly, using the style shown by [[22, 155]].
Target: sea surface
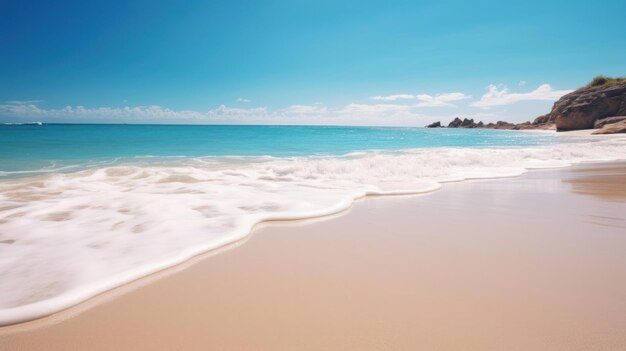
[[32, 148], [85, 208]]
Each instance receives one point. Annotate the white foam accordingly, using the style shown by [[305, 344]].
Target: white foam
[[39, 171], [67, 237]]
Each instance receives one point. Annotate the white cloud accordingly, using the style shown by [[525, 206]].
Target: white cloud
[[304, 109], [243, 100], [404, 111], [133, 114], [350, 114], [440, 99], [500, 97], [374, 108], [426, 100], [393, 97], [225, 112], [22, 102]]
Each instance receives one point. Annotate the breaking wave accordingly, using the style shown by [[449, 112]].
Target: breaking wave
[[65, 237]]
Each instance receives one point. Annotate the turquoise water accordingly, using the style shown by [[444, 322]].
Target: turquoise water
[[152, 196], [32, 148]]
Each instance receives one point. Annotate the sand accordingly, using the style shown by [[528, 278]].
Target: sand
[[536, 262]]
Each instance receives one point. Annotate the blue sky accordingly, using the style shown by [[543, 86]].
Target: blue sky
[[311, 62]]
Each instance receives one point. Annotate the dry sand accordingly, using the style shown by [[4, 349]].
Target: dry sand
[[530, 263]]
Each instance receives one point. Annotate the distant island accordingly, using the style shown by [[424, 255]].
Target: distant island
[[600, 105]]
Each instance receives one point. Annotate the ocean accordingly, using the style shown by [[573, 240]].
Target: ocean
[[85, 208], [31, 149]]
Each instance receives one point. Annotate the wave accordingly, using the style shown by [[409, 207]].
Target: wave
[[65, 237], [39, 171]]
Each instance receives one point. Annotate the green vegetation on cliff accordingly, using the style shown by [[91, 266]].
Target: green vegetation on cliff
[[604, 82]]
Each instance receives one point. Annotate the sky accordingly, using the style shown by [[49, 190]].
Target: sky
[[300, 62]]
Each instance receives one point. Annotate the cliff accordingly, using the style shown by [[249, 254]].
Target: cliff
[[586, 107], [601, 104]]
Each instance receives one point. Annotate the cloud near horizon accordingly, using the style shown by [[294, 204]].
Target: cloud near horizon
[[374, 108], [440, 100], [501, 97], [426, 100], [22, 102], [350, 114], [403, 110], [138, 113], [304, 109], [393, 97]]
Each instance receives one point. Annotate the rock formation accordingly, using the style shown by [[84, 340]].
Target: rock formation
[[455, 123], [612, 128], [465, 123], [468, 123], [585, 107], [600, 104], [434, 125], [602, 122]]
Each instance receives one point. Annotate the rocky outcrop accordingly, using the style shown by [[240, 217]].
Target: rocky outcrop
[[612, 128], [465, 123], [602, 122], [545, 119], [456, 123], [500, 125], [434, 125], [600, 104], [583, 108], [469, 123]]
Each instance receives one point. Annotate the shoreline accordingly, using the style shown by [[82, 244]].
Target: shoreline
[[145, 283], [336, 210], [42, 308]]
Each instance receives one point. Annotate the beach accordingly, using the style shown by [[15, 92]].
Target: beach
[[77, 220], [285, 175], [534, 262]]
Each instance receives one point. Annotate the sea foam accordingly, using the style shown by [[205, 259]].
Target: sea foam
[[65, 237]]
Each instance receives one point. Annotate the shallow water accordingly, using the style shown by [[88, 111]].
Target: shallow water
[[30, 149], [118, 215]]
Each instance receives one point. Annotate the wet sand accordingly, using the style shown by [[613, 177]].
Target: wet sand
[[530, 263]]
